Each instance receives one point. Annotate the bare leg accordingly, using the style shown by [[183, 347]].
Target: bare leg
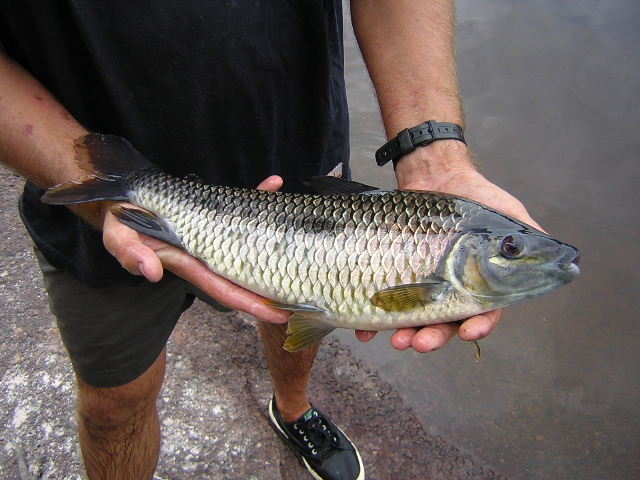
[[119, 427], [290, 372]]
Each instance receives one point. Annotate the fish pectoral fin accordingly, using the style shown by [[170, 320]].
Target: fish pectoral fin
[[146, 222], [306, 328], [404, 298]]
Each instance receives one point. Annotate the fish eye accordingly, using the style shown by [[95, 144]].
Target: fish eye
[[512, 246]]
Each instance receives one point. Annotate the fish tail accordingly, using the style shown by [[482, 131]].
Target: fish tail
[[108, 160]]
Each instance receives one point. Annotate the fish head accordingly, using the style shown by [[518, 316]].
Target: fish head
[[504, 266]]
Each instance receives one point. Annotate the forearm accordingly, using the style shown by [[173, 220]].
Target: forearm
[[408, 47], [37, 134]]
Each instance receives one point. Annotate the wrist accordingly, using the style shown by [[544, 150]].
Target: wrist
[[94, 213], [432, 165]]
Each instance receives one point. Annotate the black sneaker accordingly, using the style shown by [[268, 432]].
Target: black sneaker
[[326, 451]]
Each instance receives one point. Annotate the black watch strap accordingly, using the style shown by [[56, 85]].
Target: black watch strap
[[419, 136]]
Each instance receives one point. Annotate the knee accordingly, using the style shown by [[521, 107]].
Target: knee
[[111, 408]]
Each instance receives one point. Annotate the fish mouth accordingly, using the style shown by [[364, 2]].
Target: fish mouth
[[568, 273], [570, 263]]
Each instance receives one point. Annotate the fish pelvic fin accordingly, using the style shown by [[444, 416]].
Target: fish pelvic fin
[[146, 222], [107, 159], [306, 328], [292, 307]]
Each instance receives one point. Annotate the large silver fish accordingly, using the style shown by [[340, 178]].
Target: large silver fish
[[361, 259]]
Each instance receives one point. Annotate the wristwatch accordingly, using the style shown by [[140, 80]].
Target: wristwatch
[[411, 138]]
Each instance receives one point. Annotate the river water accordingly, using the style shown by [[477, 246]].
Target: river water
[[552, 97]]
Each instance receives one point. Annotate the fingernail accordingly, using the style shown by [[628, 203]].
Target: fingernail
[[141, 269]]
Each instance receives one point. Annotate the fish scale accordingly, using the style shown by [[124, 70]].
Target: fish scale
[[318, 239]]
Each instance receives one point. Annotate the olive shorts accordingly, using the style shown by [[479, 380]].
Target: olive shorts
[[113, 334]]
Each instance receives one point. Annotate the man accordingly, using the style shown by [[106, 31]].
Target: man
[[233, 92]]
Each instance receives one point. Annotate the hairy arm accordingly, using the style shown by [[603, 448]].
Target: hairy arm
[[37, 140], [37, 134], [408, 47]]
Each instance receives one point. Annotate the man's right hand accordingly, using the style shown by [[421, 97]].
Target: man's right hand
[[143, 255]]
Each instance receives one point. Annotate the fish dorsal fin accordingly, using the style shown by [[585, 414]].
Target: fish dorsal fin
[[405, 298], [306, 328], [146, 222], [326, 184]]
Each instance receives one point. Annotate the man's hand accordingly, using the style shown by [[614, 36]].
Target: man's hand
[[446, 166], [143, 255]]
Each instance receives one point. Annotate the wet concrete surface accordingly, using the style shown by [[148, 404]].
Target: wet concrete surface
[[551, 93], [213, 404]]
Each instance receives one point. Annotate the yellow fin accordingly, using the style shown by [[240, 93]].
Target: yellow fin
[[306, 328], [404, 298]]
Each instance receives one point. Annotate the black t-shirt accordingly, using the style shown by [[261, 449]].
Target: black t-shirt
[[233, 91]]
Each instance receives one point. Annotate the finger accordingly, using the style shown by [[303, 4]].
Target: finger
[[228, 293], [519, 211], [401, 339], [365, 335], [433, 337], [272, 183], [125, 244], [527, 219], [480, 326]]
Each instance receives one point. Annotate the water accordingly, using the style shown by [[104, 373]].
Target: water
[[551, 91]]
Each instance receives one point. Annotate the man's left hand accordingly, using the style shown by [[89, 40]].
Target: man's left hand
[[446, 166]]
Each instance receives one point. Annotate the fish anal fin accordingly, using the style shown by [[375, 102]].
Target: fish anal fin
[[146, 222], [405, 298], [306, 328]]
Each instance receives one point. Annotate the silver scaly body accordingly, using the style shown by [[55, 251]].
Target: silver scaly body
[[365, 259], [330, 251]]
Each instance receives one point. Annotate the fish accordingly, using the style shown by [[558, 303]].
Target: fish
[[352, 256]]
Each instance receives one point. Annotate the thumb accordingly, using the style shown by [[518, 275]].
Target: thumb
[[272, 183]]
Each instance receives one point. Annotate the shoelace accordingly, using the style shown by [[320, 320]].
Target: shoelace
[[317, 435]]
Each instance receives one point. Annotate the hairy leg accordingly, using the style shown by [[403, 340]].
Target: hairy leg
[[119, 427], [290, 372]]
